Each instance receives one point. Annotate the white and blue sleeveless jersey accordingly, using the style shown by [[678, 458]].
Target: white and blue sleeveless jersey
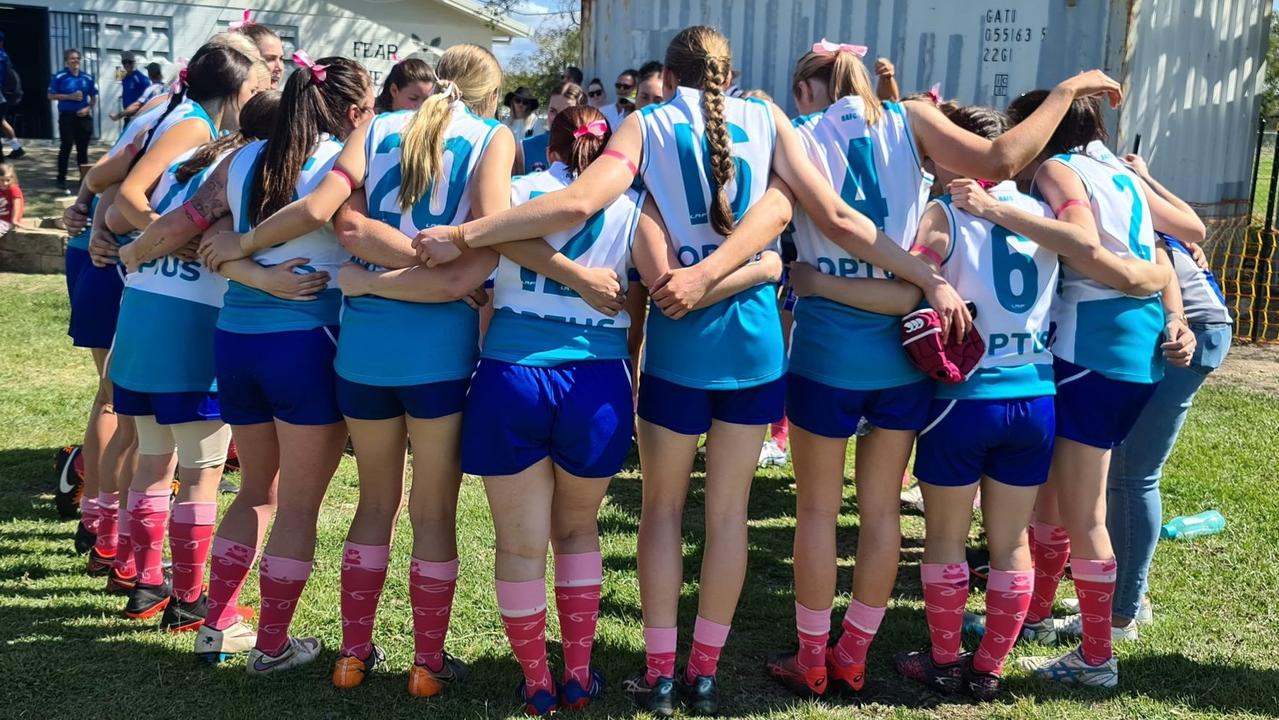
[[539, 321], [737, 342], [876, 170], [1098, 327], [164, 338], [187, 109], [1011, 280], [250, 310], [390, 342], [137, 128]]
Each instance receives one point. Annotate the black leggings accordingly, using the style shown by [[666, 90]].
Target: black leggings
[[73, 129]]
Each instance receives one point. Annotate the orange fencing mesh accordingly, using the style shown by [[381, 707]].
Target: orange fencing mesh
[[1242, 256]]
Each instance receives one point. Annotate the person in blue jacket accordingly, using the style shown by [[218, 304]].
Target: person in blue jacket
[[76, 94]]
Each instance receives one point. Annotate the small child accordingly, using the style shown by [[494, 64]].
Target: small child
[[11, 200]]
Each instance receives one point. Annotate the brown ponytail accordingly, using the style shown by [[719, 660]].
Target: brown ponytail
[[257, 118], [577, 152], [699, 56]]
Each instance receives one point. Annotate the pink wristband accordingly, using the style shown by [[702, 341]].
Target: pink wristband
[[615, 154], [928, 253], [195, 216], [350, 183], [1068, 205]]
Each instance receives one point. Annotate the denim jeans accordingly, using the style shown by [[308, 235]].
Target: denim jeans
[[1134, 507]]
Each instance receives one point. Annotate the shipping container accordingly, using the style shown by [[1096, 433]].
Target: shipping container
[[1193, 69]]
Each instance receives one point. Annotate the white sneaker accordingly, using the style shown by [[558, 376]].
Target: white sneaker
[[298, 652], [913, 497], [771, 455], [1072, 669], [1043, 632], [1072, 626], [217, 646], [1145, 611]]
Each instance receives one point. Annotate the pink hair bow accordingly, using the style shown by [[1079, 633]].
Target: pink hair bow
[[934, 93], [319, 73], [395, 57], [181, 80], [825, 47], [596, 128], [244, 21]]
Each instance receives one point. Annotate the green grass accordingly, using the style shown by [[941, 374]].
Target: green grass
[[67, 653], [1266, 164]]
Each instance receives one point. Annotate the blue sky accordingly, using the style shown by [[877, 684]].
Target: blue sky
[[533, 13]]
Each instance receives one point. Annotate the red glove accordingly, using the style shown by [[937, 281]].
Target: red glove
[[922, 339]]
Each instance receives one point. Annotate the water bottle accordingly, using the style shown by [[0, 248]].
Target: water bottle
[[1188, 527]]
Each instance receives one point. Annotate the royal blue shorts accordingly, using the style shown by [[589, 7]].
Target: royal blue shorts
[[284, 375], [689, 411], [95, 306], [1010, 441], [1095, 410], [171, 408], [579, 414], [74, 263], [424, 402], [835, 412]]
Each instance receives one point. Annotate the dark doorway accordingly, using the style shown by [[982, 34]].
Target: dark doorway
[[26, 31]]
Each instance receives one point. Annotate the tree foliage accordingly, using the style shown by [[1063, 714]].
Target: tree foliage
[[1270, 92], [557, 43]]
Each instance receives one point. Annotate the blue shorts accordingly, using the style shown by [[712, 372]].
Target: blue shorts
[[1010, 441], [1095, 410], [689, 411], [285, 375], [74, 263], [95, 306], [378, 402], [835, 412], [579, 414], [170, 408]]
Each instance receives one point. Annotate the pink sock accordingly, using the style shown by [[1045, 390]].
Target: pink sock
[[659, 653], [89, 513], [190, 534], [108, 517], [1050, 549], [578, 580], [363, 575], [813, 628], [861, 622], [282, 580], [780, 431], [230, 566], [148, 513], [523, 608], [431, 588], [708, 640], [124, 566], [1095, 583], [945, 592], [1007, 597]]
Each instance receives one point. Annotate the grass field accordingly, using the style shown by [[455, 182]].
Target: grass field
[[65, 651]]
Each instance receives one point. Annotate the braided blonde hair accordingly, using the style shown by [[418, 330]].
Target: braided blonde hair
[[699, 56]]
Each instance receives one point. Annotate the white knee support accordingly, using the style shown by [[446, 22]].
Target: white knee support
[[202, 444], [153, 438]]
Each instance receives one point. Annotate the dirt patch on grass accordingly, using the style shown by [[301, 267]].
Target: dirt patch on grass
[[1250, 367]]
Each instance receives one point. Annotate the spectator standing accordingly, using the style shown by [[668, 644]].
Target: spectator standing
[[132, 86], [596, 95], [76, 95], [10, 96], [625, 104], [572, 74], [523, 121]]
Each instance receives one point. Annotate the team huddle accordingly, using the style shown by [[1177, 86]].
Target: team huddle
[[295, 268]]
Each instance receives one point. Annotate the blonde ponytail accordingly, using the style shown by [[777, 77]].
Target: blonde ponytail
[[845, 75], [468, 73]]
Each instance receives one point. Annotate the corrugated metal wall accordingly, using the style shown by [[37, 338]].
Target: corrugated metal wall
[[1194, 72], [987, 52]]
